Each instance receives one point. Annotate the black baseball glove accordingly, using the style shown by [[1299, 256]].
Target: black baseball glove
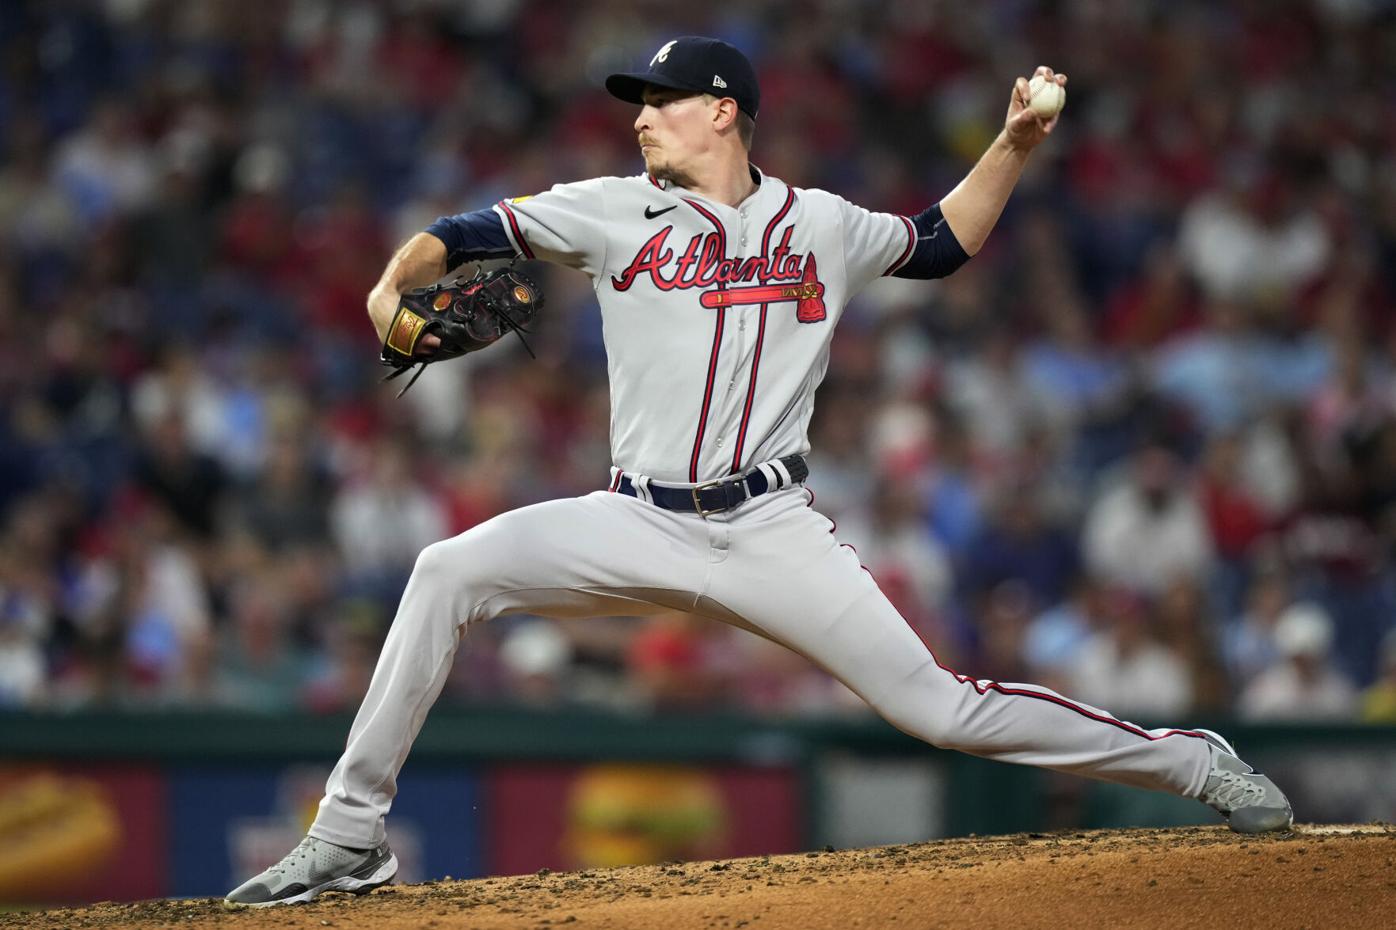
[[466, 315]]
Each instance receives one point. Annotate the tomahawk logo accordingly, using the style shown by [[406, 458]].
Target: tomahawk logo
[[663, 53]]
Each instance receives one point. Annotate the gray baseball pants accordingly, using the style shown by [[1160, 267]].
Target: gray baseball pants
[[771, 565]]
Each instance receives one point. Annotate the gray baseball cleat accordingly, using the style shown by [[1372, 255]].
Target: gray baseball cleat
[[1250, 802], [313, 867]]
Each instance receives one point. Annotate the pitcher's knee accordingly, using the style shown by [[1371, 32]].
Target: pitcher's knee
[[435, 563], [451, 565], [923, 718]]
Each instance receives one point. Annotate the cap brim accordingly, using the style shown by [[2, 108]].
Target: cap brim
[[630, 87]]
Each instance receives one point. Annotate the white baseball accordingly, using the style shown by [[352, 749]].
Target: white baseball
[[1046, 98]]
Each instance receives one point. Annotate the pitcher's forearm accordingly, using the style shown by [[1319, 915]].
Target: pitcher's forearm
[[420, 261], [974, 206]]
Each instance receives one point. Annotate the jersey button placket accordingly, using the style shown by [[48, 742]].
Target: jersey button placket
[[741, 327]]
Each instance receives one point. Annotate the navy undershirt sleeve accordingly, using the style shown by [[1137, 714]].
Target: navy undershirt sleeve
[[472, 237], [937, 252]]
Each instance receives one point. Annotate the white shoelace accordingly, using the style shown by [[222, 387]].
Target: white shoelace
[[298, 853]]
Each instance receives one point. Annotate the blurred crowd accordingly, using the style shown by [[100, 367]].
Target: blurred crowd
[[1142, 449]]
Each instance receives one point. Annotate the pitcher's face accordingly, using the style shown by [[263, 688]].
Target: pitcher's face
[[673, 128]]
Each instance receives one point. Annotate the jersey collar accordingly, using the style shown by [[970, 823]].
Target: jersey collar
[[757, 175]]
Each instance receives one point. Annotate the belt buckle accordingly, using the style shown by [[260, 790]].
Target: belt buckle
[[698, 504]]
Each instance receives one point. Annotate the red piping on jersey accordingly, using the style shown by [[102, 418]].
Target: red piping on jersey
[[910, 247], [775, 221], [760, 334], [750, 393], [656, 183], [707, 398], [717, 345], [518, 236], [1017, 692], [616, 483], [717, 224]]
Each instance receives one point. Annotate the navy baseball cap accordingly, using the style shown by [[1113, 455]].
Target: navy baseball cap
[[698, 64]]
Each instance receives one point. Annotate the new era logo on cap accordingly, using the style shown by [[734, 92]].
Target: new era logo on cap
[[697, 64]]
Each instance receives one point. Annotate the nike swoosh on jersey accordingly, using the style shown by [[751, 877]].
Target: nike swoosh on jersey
[[649, 215]]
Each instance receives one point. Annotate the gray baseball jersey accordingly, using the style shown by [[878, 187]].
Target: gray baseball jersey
[[717, 319]]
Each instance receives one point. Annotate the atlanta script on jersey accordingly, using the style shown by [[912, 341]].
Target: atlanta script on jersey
[[717, 319]]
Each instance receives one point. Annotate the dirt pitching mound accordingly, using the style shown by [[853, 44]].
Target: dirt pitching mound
[[1314, 877]]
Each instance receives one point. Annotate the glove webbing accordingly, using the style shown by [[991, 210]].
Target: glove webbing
[[514, 326]]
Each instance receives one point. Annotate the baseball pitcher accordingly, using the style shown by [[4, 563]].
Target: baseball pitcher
[[720, 288]]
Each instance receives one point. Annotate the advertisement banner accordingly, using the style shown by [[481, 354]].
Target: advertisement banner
[[230, 823], [869, 801], [74, 833], [566, 817]]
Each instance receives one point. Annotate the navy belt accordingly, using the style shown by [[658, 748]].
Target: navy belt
[[723, 494]]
